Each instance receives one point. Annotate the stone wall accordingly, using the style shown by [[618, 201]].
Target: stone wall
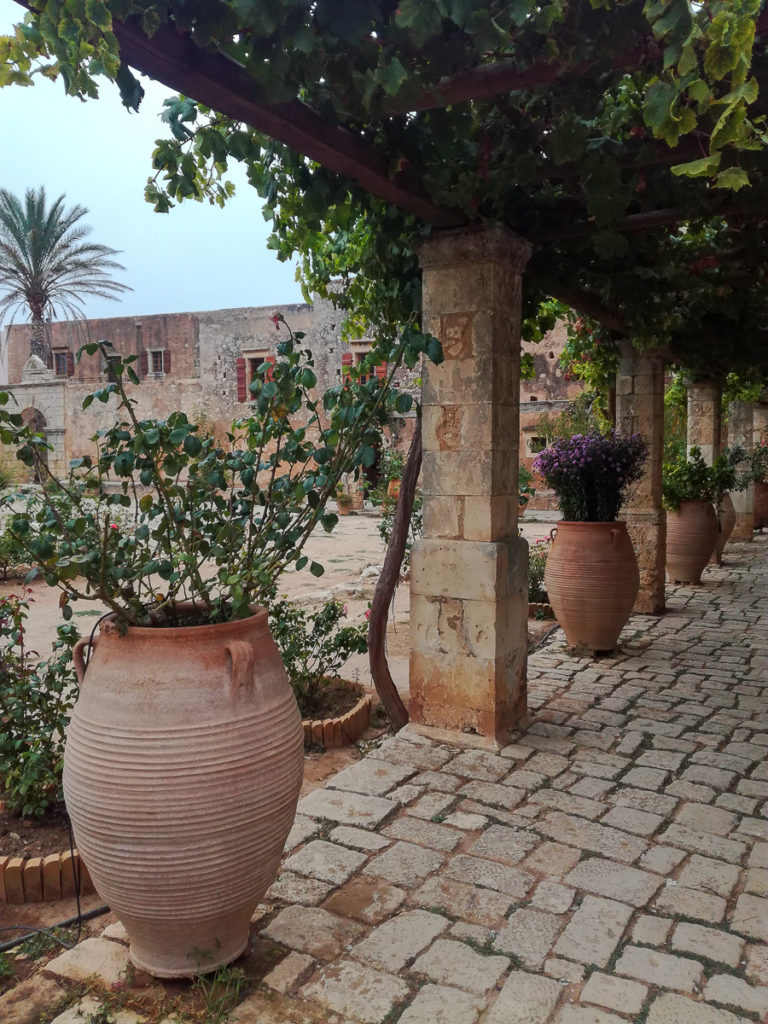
[[202, 379]]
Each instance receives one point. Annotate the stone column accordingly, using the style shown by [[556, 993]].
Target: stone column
[[469, 573], [740, 426], [640, 410], [704, 418]]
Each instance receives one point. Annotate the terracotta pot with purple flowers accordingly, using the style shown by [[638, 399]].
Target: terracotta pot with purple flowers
[[591, 574]]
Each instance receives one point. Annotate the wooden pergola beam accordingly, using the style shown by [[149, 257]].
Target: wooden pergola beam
[[213, 79]]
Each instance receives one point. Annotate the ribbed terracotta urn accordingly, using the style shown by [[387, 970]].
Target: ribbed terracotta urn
[[692, 533], [182, 770], [592, 579], [726, 520], [760, 505]]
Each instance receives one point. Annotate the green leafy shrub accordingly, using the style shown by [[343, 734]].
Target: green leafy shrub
[[314, 646], [36, 699], [725, 470], [687, 479], [760, 462], [219, 522], [12, 554], [525, 490], [538, 552], [415, 526]]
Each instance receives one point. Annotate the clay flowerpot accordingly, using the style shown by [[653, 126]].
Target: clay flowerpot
[[592, 579], [726, 519], [692, 533], [344, 505], [760, 505], [393, 489], [182, 770]]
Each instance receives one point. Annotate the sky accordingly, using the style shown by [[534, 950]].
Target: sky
[[197, 257]]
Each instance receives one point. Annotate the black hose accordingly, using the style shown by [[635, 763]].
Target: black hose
[[96, 912]]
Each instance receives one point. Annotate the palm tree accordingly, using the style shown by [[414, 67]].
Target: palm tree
[[46, 267]]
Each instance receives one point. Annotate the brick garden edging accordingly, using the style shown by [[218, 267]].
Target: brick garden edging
[[42, 879], [342, 731], [546, 611]]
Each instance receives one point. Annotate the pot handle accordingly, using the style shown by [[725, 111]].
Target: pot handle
[[615, 535], [78, 657], [241, 669]]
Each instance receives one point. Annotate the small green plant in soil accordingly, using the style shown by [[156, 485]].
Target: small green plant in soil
[[538, 552], [220, 992], [36, 699], [314, 646]]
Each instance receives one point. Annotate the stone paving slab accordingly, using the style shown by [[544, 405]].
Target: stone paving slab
[[610, 864]]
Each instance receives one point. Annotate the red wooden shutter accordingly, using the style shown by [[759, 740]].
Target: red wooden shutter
[[381, 371], [242, 383], [49, 360], [144, 364], [166, 360], [271, 368], [70, 364], [346, 362]]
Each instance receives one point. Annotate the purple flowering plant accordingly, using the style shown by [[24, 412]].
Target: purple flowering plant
[[590, 473]]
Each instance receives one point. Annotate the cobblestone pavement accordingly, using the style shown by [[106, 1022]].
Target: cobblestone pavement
[[610, 864]]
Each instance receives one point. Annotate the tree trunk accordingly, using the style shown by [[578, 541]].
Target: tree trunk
[[38, 344], [382, 597]]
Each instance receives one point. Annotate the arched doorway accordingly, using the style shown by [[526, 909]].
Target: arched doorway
[[33, 418]]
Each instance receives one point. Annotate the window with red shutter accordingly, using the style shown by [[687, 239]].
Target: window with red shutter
[[271, 371], [70, 364], [144, 364], [242, 382], [381, 371], [167, 360]]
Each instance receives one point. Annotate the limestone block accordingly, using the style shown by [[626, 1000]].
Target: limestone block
[[470, 570], [443, 516], [492, 518], [469, 471]]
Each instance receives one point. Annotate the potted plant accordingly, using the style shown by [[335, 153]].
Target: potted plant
[[591, 574], [726, 478], [760, 477], [689, 491], [525, 490], [343, 500], [184, 754]]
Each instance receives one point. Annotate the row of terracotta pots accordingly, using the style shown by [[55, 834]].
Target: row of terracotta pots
[[592, 577]]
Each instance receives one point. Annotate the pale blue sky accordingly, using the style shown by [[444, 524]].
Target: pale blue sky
[[196, 257]]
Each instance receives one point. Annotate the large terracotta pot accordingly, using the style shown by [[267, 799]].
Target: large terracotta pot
[[592, 579], [393, 489], [691, 537], [182, 770], [726, 519], [760, 505]]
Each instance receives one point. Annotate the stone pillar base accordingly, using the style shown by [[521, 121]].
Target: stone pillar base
[[743, 503], [469, 609], [648, 533]]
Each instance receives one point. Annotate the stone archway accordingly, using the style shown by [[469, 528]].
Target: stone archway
[[32, 417]]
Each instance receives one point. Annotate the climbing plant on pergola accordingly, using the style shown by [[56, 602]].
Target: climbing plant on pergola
[[594, 128]]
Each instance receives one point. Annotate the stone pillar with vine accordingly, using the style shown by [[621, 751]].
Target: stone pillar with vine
[[704, 418], [640, 410], [469, 598]]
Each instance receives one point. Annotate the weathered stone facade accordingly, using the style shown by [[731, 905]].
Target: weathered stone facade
[[195, 362]]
